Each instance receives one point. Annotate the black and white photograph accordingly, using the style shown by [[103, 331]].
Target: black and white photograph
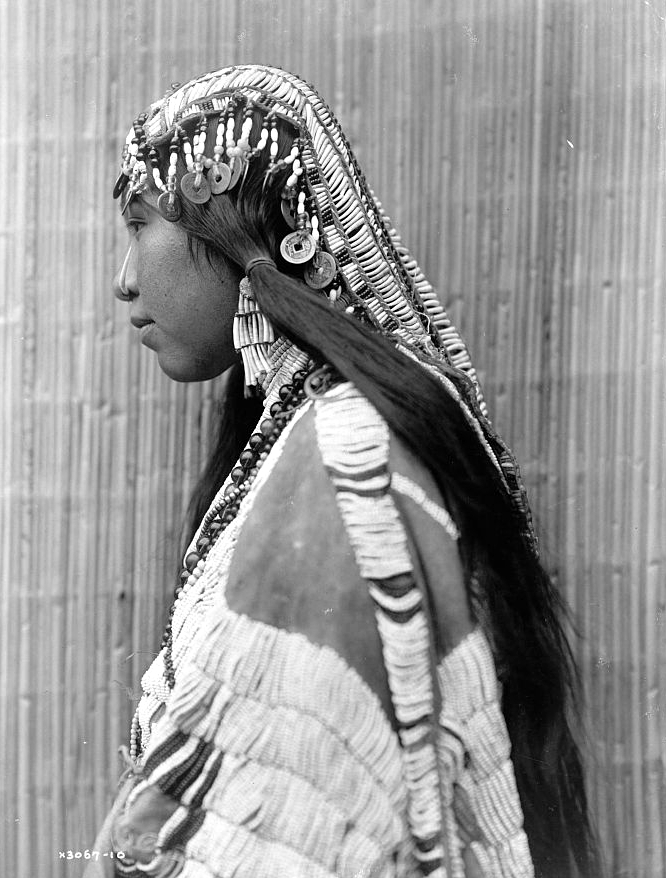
[[333, 447]]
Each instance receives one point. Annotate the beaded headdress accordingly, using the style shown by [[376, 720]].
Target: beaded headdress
[[339, 234]]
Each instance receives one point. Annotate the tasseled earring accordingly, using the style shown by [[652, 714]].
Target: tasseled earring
[[253, 337]]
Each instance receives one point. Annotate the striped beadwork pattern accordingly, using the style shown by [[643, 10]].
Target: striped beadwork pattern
[[464, 758], [281, 758], [415, 492], [475, 754], [354, 444]]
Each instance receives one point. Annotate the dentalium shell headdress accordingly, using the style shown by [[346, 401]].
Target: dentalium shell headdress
[[341, 236]]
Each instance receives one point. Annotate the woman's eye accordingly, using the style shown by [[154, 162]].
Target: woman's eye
[[133, 226]]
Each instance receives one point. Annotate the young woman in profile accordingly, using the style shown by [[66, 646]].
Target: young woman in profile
[[364, 670]]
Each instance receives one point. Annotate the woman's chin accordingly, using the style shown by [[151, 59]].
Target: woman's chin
[[186, 370]]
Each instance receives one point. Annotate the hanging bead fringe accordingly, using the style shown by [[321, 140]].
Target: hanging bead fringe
[[253, 337]]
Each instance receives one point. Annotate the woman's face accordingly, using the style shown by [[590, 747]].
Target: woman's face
[[183, 306]]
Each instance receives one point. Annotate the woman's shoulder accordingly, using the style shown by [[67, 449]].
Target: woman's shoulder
[[346, 501]]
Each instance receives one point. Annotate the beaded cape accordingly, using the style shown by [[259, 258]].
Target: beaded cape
[[277, 755]]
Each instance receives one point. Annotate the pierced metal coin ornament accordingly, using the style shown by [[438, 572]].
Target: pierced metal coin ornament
[[321, 271], [196, 194], [289, 214], [237, 168], [169, 206], [219, 178], [298, 247], [120, 184]]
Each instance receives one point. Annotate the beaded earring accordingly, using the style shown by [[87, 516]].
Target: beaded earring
[[253, 337]]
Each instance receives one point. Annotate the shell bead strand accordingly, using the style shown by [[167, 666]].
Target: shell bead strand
[[187, 152], [263, 138], [219, 175], [274, 146], [155, 164], [169, 202], [200, 150]]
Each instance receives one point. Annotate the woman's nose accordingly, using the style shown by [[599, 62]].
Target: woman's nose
[[124, 283]]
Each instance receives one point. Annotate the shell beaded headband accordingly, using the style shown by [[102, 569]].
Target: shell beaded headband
[[224, 170], [325, 195]]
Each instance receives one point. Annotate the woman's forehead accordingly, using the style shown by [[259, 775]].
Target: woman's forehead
[[146, 195]]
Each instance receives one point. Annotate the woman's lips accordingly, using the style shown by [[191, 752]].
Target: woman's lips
[[144, 325]]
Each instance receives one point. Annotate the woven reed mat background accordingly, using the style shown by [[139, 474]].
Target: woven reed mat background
[[520, 149]]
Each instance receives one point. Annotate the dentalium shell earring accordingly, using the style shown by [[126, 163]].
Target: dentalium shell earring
[[253, 337]]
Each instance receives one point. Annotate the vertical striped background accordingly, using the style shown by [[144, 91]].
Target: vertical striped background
[[520, 149]]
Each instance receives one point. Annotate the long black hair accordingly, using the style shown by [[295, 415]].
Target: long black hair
[[526, 614]]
